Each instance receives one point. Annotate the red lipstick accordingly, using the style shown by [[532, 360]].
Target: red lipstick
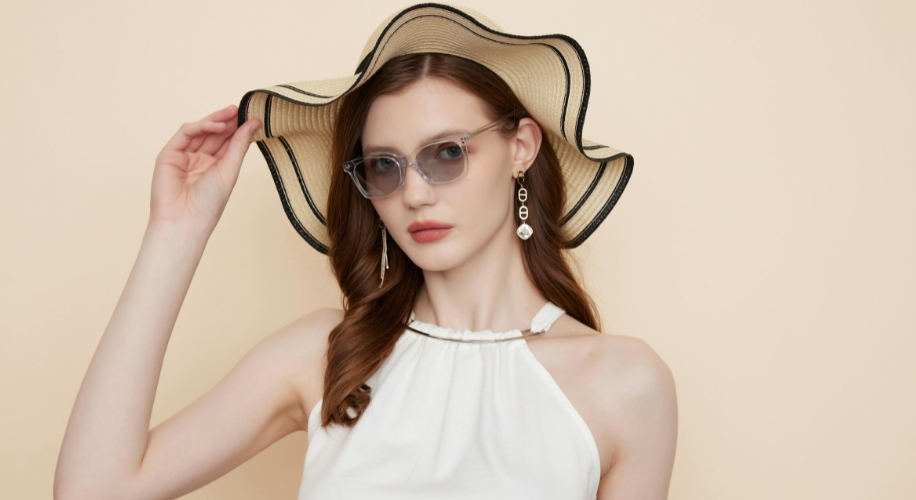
[[428, 230]]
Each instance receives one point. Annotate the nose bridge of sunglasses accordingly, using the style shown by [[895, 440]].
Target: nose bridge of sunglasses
[[415, 166]]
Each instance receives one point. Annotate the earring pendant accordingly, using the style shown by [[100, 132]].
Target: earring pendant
[[524, 231]]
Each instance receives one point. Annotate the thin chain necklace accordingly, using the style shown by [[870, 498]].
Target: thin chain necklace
[[478, 341]]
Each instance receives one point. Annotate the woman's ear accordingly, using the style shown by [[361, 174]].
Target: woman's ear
[[528, 139]]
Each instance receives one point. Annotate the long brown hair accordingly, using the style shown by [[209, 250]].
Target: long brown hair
[[375, 317]]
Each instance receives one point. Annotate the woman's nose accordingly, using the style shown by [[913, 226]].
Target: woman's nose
[[416, 190]]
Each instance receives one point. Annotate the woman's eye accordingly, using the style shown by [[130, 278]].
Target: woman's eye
[[384, 164], [450, 152]]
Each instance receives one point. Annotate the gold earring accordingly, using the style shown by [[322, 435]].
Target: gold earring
[[524, 231], [384, 252]]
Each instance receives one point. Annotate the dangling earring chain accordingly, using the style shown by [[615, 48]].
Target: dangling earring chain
[[384, 253], [524, 231]]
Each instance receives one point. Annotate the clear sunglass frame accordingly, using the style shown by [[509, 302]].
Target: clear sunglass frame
[[402, 162]]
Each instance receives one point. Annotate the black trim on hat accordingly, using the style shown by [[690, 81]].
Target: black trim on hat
[[585, 195], [297, 89], [243, 108], [267, 105], [361, 67], [608, 205], [305, 191], [290, 214]]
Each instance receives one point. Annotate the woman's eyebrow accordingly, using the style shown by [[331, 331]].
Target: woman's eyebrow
[[444, 133], [384, 149]]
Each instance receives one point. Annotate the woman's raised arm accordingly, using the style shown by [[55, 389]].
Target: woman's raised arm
[[108, 450]]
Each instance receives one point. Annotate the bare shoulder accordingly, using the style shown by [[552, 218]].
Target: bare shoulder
[[639, 403], [631, 405], [626, 368], [305, 338], [628, 376], [633, 371], [634, 393], [307, 331], [622, 389], [299, 348]]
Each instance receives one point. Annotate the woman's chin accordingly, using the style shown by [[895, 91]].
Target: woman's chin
[[436, 259]]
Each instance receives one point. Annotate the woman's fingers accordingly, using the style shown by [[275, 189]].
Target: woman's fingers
[[222, 150], [209, 131], [214, 127], [187, 132], [222, 115], [212, 143], [214, 123], [235, 148]]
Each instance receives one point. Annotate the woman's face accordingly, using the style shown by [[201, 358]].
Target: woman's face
[[478, 207]]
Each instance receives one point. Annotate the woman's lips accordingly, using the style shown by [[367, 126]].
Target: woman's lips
[[428, 230]]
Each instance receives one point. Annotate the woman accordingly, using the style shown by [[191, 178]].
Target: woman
[[446, 211]]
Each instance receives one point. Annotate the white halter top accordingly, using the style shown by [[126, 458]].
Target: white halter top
[[455, 420]]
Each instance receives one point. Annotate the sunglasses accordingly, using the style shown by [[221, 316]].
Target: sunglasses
[[378, 175]]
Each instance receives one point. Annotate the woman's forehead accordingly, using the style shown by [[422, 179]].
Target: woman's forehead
[[424, 110]]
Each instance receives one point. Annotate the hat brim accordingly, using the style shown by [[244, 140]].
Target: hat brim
[[549, 74]]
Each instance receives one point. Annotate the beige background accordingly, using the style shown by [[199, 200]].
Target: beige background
[[764, 247]]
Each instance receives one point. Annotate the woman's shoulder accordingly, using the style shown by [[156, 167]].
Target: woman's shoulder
[[634, 394], [620, 386], [300, 346], [636, 379], [314, 327], [622, 353], [628, 380], [307, 336]]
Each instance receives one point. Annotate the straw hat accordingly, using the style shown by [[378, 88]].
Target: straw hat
[[549, 74]]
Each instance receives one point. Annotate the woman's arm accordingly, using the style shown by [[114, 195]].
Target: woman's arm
[[108, 450]]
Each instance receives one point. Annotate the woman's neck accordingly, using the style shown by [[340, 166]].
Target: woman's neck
[[490, 291]]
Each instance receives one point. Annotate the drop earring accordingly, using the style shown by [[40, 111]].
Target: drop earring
[[384, 252], [524, 231]]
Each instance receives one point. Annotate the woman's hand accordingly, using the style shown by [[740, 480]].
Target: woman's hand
[[197, 169]]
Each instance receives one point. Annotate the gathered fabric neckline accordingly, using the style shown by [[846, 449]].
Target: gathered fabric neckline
[[539, 323]]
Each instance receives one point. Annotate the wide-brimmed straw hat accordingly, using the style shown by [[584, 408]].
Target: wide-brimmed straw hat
[[549, 74]]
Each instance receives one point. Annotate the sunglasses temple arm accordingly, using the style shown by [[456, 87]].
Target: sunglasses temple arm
[[487, 128]]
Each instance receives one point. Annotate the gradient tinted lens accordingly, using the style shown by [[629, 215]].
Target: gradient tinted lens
[[442, 162], [378, 175]]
